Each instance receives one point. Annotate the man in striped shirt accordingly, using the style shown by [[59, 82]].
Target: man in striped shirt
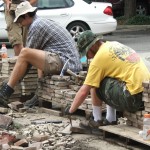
[[48, 47]]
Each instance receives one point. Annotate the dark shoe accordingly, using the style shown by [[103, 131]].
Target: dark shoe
[[32, 102], [106, 122], [91, 124], [5, 92]]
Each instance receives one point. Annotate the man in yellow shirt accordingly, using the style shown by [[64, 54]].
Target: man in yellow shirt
[[115, 76]]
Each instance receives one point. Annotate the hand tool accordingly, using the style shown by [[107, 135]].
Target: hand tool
[[70, 119], [45, 122]]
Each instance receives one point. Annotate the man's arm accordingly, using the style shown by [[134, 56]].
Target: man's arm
[[80, 97], [33, 2], [7, 2]]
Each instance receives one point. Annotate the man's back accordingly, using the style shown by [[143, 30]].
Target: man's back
[[118, 61], [49, 36]]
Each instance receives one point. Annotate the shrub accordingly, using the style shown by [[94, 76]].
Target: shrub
[[139, 20], [136, 20]]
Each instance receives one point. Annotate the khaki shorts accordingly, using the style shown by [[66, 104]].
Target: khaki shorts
[[53, 64], [15, 32]]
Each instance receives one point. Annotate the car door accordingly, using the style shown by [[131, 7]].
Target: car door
[[57, 10], [3, 32]]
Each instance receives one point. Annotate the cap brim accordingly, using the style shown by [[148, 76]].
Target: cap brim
[[29, 10], [93, 42], [84, 52]]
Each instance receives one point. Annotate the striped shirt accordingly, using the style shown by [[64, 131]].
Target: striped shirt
[[47, 35]]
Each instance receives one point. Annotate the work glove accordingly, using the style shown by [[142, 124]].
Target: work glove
[[66, 111]]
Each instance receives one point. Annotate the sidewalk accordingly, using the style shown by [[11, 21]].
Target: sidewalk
[[126, 28]]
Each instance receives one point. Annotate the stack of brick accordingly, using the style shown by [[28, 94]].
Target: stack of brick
[[0, 63], [87, 105], [3, 78], [136, 119], [146, 96], [52, 89], [29, 82], [62, 90], [7, 67]]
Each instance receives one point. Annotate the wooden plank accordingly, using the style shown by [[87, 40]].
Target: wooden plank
[[50, 111], [125, 131], [75, 128]]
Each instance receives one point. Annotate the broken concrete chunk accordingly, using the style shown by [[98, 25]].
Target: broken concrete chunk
[[3, 110], [40, 138], [16, 105], [5, 121], [16, 148], [22, 142]]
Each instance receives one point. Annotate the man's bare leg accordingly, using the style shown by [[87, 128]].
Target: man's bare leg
[[27, 56], [97, 105], [97, 112]]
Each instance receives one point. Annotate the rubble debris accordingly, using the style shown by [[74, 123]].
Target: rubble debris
[[5, 121], [16, 105], [37, 136], [3, 110]]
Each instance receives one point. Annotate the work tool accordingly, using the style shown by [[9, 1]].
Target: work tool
[[68, 114], [45, 122], [70, 119], [75, 75]]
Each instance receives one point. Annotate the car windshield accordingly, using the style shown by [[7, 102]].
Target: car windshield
[[53, 4], [1, 5], [88, 1]]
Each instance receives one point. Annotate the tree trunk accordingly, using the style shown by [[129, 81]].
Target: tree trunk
[[129, 8]]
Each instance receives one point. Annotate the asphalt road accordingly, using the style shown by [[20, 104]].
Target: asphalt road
[[138, 40]]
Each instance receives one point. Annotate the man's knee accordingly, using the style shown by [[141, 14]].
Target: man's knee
[[24, 52]]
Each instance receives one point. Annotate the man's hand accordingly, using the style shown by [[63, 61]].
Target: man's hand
[[8, 3]]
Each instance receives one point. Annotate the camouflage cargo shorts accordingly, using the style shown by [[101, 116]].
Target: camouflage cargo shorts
[[114, 93]]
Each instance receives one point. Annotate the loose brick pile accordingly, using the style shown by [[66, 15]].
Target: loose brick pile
[[36, 137]]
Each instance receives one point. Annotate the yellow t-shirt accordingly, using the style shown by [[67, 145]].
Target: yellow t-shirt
[[118, 61]]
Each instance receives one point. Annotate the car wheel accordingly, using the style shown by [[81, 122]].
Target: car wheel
[[141, 9], [76, 28]]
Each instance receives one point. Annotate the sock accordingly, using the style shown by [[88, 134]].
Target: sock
[[111, 113], [97, 112]]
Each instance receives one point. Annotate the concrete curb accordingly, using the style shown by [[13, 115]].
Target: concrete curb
[[126, 28]]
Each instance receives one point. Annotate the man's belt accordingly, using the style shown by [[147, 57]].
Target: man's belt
[[17, 1]]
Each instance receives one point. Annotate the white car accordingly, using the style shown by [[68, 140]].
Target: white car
[[75, 15]]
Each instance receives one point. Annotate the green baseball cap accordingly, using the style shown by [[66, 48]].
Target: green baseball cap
[[86, 40]]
